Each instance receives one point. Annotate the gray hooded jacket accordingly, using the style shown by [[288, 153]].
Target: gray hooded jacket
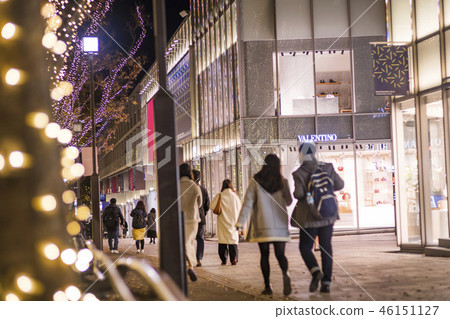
[[301, 177]]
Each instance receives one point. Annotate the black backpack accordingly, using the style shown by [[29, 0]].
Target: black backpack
[[321, 188], [111, 220], [138, 220]]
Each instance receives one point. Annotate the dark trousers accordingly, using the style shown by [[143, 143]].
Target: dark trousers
[[224, 249], [113, 235], [200, 238], [142, 244], [264, 249], [306, 245]]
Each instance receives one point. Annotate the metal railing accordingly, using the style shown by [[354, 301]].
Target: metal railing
[[161, 285]]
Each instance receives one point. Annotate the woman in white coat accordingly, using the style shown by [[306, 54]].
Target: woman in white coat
[[226, 221], [265, 204], [190, 200]]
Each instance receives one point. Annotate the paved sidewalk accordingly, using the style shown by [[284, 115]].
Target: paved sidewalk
[[366, 267]]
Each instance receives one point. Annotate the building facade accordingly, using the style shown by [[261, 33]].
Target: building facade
[[421, 122], [253, 77]]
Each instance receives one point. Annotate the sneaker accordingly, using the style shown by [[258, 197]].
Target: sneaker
[[267, 290], [138, 251], [317, 276], [116, 251], [234, 262], [111, 251], [325, 288], [287, 289], [142, 251], [223, 263], [192, 274], [199, 263]]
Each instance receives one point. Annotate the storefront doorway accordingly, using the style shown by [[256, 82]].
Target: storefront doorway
[[422, 185]]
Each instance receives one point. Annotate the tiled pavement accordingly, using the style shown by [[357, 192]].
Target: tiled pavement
[[366, 267]]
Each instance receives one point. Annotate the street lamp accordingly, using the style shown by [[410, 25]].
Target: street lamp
[[90, 47]]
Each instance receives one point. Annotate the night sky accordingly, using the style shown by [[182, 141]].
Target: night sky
[[122, 14]]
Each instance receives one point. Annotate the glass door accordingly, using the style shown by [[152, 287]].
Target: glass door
[[436, 217], [407, 173], [342, 158]]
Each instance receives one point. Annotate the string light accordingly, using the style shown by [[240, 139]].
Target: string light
[[2, 162], [68, 196], [83, 213], [37, 119], [60, 296], [44, 203], [8, 31], [16, 159], [90, 297], [77, 170], [11, 297], [73, 293], [73, 228], [25, 284], [51, 251], [71, 152], [64, 136], [52, 130], [13, 77], [68, 256]]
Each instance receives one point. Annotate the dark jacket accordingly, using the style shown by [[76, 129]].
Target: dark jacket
[[204, 208], [113, 209], [136, 212], [301, 177]]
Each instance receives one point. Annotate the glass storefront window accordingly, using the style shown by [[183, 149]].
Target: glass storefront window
[[342, 158], [429, 63], [408, 204], [375, 187], [427, 17], [401, 21], [437, 217], [446, 12], [296, 78], [333, 81]]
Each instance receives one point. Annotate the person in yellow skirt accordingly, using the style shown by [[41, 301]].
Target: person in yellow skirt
[[139, 223]]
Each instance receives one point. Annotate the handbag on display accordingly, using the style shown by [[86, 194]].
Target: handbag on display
[[218, 209]]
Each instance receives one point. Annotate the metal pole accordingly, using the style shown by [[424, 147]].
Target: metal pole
[[95, 196], [172, 250]]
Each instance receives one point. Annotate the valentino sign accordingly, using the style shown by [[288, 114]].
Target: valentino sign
[[317, 138]]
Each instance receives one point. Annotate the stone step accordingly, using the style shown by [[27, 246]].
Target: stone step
[[444, 242], [437, 252]]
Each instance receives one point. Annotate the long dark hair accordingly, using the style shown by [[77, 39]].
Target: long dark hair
[[140, 205], [227, 184], [269, 177], [185, 170]]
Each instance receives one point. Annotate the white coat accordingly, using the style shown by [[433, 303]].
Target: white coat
[[190, 200], [226, 221]]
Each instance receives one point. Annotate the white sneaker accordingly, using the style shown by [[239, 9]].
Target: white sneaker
[[142, 251], [116, 251], [138, 251], [111, 251]]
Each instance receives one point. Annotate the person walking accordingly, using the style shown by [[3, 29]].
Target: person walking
[[203, 210], [110, 217], [311, 226], [227, 233], [265, 205], [151, 226], [139, 223], [190, 201]]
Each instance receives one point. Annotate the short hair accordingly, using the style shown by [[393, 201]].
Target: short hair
[[196, 174], [153, 210], [113, 201], [185, 170]]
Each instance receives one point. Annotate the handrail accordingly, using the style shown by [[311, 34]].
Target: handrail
[[164, 288], [117, 282], [161, 284]]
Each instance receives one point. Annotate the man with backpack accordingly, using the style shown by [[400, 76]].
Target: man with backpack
[[111, 216], [315, 212]]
